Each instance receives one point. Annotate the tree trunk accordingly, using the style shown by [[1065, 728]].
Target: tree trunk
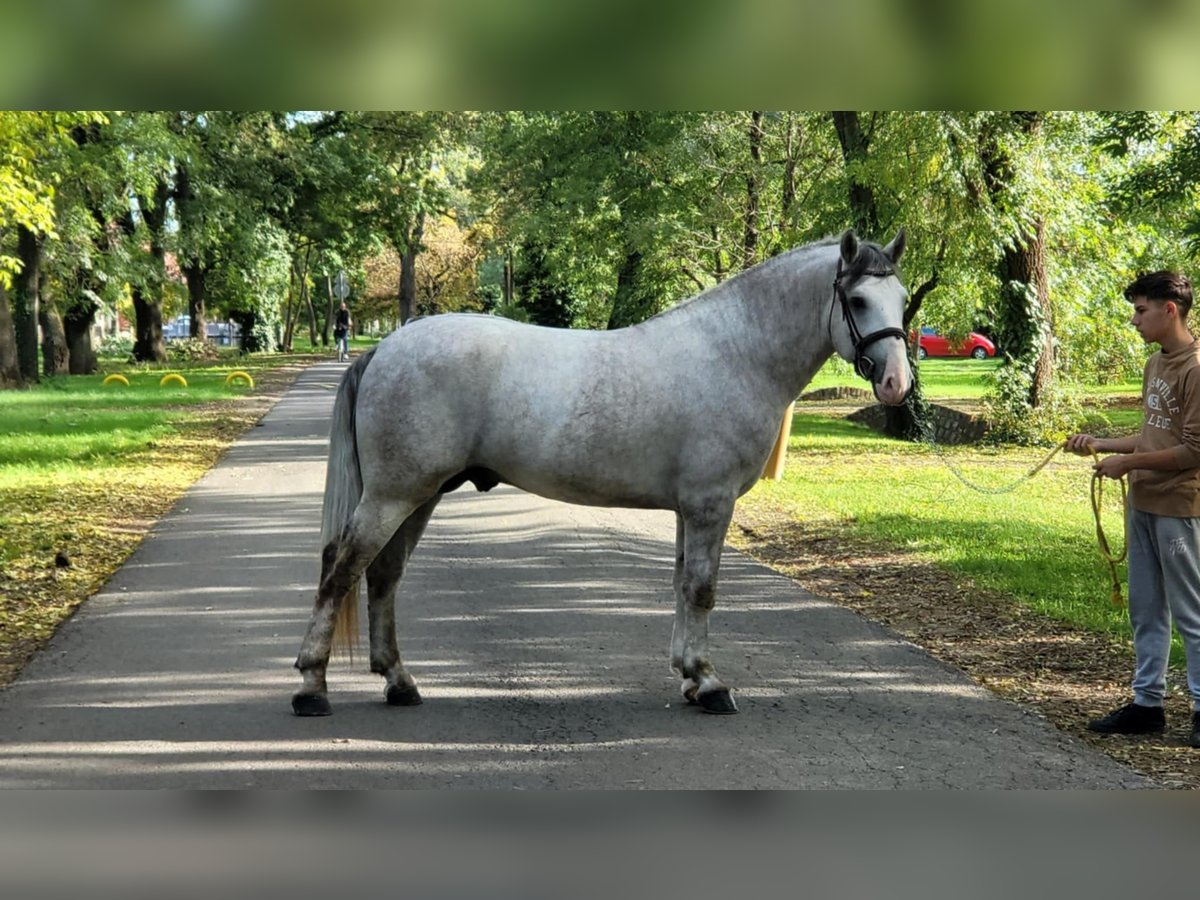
[[78, 326], [790, 161], [631, 303], [306, 293], [907, 421], [148, 345], [408, 269], [25, 305], [855, 147], [10, 370], [197, 281], [718, 260], [750, 237], [147, 298], [194, 269], [251, 341], [1024, 317], [1027, 306], [289, 315], [55, 359], [508, 277], [330, 307]]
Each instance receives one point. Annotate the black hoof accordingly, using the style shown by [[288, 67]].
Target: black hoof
[[402, 695], [719, 702], [311, 705]]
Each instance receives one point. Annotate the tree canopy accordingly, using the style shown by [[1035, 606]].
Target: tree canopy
[[1021, 225]]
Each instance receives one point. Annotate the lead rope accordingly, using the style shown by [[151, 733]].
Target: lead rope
[[1105, 551], [1097, 492]]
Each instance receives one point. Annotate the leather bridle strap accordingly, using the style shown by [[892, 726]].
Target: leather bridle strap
[[863, 365]]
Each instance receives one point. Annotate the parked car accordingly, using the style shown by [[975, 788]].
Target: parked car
[[933, 344]]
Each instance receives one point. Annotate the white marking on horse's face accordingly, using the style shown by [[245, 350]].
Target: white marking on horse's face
[[878, 302]]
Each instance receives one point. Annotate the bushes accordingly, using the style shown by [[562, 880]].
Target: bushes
[[116, 346], [192, 350]]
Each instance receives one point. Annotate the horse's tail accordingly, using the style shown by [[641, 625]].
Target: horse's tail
[[343, 490]]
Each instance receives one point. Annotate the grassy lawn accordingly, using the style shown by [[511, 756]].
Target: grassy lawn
[[1036, 542], [964, 379], [957, 379], [85, 469]]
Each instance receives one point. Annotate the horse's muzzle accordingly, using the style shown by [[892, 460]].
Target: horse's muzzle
[[893, 387]]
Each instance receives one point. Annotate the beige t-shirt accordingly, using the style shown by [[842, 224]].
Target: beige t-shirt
[[1171, 420]]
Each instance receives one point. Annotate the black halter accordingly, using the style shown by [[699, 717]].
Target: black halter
[[863, 365]]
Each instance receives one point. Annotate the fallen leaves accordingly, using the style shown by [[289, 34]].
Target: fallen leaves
[[1065, 674], [95, 516]]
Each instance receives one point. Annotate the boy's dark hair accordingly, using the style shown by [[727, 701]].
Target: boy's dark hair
[[1163, 285]]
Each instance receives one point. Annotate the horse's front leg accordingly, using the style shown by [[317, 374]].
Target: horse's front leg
[[704, 527]]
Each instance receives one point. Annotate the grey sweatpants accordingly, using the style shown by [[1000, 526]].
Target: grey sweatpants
[[1164, 584]]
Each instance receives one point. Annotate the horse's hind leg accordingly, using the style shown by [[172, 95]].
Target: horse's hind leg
[[343, 562], [677, 629], [383, 578], [702, 537]]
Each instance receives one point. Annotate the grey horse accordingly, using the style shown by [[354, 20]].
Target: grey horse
[[679, 412]]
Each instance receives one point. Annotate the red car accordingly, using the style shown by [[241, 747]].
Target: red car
[[933, 344]]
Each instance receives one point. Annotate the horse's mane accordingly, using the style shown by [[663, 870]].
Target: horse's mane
[[870, 260]]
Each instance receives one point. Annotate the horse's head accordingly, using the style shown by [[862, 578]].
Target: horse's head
[[867, 319]]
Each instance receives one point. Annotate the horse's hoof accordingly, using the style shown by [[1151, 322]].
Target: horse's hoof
[[719, 702], [311, 705], [402, 695]]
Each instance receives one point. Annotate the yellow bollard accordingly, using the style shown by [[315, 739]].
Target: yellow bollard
[[116, 379], [173, 378], [238, 376]]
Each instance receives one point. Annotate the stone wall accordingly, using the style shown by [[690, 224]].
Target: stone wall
[[950, 426]]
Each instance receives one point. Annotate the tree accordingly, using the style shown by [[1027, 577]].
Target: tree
[[1024, 319], [27, 192], [911, 419], [404, 151]]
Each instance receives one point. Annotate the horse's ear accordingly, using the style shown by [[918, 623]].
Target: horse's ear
[[849, 246], [895, 249]]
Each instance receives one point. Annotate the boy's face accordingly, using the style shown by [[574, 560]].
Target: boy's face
[[1152, 318]]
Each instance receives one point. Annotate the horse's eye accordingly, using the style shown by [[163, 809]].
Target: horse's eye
[[858, 302]]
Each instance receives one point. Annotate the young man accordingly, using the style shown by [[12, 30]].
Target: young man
[[1163, 464]]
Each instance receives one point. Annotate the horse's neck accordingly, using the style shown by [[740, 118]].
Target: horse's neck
[[772, 319]]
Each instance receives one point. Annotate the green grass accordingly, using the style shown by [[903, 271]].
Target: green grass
[[957, 379], [1035, 543], [77, 419], [963, 379], [302, 344]]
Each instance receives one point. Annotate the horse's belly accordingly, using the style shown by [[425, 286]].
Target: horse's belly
[[593, 489]]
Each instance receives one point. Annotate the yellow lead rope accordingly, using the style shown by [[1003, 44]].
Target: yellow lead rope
[[1112, 560]]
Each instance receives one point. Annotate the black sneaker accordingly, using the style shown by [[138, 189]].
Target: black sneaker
[[1131, 719], [1194, 739]]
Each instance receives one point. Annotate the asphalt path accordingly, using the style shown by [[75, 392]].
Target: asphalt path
[[538, 635]]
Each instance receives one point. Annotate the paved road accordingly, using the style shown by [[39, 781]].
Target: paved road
[[537, 632]]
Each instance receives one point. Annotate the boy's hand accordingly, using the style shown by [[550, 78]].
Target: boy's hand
[[1082, 444], [1115, 466]]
